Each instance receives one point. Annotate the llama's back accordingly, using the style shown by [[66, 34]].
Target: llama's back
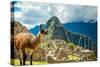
[[22, 40]]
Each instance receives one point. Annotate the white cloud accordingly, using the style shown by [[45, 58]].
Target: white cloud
[[18, 14], [36, 13], [62, 13]]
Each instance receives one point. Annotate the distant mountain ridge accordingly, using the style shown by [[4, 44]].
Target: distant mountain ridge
[[35, 30], [88, 29]]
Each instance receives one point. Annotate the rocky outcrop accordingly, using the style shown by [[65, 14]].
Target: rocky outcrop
[[17, 27], [57, 51]]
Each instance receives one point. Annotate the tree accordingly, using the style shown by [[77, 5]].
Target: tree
[[71, 46]]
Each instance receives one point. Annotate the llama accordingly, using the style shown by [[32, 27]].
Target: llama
[[24, 41]]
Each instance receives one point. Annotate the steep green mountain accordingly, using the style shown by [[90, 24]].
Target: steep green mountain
[[57, 31]]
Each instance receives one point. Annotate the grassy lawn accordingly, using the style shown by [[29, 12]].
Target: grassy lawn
[[74, 58], [16, 62]]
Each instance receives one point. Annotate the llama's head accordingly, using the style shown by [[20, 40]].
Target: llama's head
[[43, 31]]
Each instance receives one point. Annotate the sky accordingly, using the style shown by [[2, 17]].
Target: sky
[[31, 14]]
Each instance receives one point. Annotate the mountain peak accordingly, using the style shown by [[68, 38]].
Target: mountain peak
[[54, 17], [53, 21]]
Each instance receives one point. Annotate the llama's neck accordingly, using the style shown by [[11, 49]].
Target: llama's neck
[[38, 40], [38, 37], [35, 43]]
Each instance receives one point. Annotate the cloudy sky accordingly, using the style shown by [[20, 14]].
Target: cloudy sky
[[31, 14]]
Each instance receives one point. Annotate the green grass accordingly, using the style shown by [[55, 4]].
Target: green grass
[[16, 62], [74, 58], [44, 44]]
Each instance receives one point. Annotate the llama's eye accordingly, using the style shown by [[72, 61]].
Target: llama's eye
[[42, 31]]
